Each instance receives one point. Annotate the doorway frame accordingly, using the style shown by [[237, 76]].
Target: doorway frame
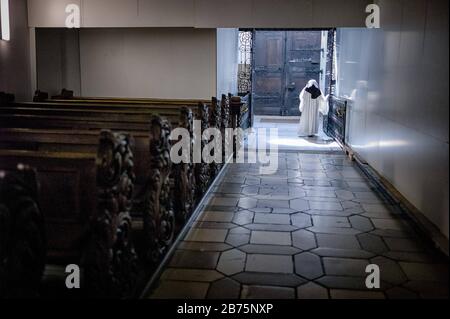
[[329, 89]]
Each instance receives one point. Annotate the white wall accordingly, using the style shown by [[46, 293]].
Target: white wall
[[399, 121], [203, 13], [153, 62], [14, 55], [156, 62], [227, 61], [58, 60]]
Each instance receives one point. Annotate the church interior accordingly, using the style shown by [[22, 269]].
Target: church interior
[[99, 98]]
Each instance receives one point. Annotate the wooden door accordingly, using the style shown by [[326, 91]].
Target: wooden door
[[302, 64], [284, 61], [268, 72]]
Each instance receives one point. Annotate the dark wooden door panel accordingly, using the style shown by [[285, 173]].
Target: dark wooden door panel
[[284, 61], [268, 71], [269, 46], [303, 50]]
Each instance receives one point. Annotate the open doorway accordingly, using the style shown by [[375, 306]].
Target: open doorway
[[283, 63], [274, 66]]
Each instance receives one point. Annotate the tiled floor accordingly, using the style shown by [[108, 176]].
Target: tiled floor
[[308, 231]]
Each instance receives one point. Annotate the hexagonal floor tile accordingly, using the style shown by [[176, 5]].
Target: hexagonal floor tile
[[308, 265], [299, 204], [303, 239], [231, 262]]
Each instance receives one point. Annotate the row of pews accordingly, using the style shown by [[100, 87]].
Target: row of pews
[[89, 181]]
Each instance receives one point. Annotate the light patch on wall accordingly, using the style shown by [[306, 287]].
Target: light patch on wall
[[4, 17]]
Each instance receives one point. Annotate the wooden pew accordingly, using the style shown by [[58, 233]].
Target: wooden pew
[[116, 117], [211, 113], [66, 96], [82, 141], [89, 119], [132, 111], [85, 199], [217, 117], [134, 118], [38, 118], [80, 112], [135, 103], [45, 140], [6, 98]]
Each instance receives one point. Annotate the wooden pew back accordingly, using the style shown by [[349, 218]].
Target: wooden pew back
[[66, 196], [85, 199], [22, 234]]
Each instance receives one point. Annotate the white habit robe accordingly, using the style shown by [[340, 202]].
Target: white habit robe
[[310, 108]]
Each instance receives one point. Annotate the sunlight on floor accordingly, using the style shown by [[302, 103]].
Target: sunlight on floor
[[299, 142], [288, 139]]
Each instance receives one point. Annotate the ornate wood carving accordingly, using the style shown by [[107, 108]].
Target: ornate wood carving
[[202, 169], [159, 220], [183, 175], [109, 259], [236, 115], [215, 122], [40, 96], [225, 110], [22, 235]]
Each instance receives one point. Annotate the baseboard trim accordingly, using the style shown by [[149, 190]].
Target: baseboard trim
[[425, 229]]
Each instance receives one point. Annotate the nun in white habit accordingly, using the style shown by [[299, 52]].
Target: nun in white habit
[[312, 102]]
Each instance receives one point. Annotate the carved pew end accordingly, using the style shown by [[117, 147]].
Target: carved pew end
[[22, 235], [109, 259]]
